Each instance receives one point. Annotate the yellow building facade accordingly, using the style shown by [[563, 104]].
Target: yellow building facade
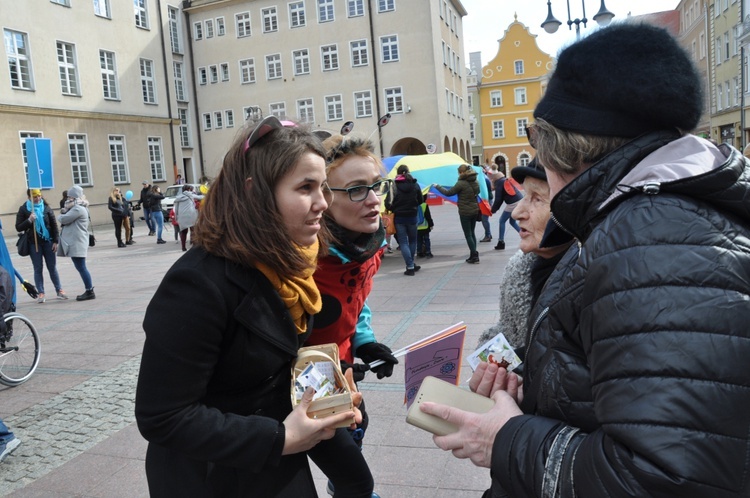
[[511, 85]]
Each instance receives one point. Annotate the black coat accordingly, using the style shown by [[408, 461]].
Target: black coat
[[23, 224], [405, 199], [118, 208], [638, 373], [214, 385]]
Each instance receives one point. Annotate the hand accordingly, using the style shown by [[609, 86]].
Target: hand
[[356, 398], [358, 370], [303, 432], [54, 247], [490, 378], [32, 217], [476, 432], [372, 351]]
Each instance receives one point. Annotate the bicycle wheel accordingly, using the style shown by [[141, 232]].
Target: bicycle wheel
[[19, 350]]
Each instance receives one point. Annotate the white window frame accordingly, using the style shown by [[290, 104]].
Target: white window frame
[[329, 57], [229, 118], [78, 154], [301, 60], [208, 120], [498, 129], [334, 107], [148, 81], [394, 99], [519, 96], [253, 112], [197, 31], [183, 115], [518, 67], [224, 71], [68, 68], [202, 76], [277, 109], [355, 8], [19, 59], [274, 70], [118, 159], [23, 135], [389, 51], [720, 96], [218, 120], [270, 18], [108, 68], [141, 13], [472, 132], [178, 70], [156, 159], [64, 3], [209, 28], [243, 24], [521, 124], [363, 103], [359, 53], [175, 30], [496, 98], [470, 101], [297, 15], [247, 71], [524, 159], [221, 27], [213, 73], [306, 110], [102, 9], [325, 11], [386, 6]]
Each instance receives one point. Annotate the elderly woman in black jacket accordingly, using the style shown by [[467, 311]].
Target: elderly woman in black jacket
[[636, 383]]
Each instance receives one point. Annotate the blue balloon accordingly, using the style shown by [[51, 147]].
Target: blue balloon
[[129, 194]]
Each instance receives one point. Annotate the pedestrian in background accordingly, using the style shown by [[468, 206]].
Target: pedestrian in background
[[116, 205], [507, 191], [157, 215], [74, 237], [424, 246], [467, 190], [186, 213], [404, 200], [146, 205]]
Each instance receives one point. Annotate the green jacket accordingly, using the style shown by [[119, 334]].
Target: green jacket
[[467, 189]]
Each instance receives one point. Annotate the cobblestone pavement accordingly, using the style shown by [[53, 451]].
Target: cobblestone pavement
[[75, 415]]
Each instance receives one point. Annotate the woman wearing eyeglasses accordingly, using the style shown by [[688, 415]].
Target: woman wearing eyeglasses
[[213, 396]]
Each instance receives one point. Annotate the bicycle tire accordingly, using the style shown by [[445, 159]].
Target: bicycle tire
[[21, 350]]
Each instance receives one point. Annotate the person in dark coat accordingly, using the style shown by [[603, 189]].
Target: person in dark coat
[[146, 205], [636, 380], [404, 202], [214, 393], [467, 190], [117, 206]]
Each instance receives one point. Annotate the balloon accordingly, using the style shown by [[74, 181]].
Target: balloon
[[129, 194], [203, 189]]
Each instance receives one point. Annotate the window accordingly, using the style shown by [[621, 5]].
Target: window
[[277, 109], [496, 98], [179, 81], [325, 10], [305, 111], [247, 71], [221, 30], [445, 53], [448, 100], [394, 99], [702, 45], [209, 28], [518, 67], [243, 24], [174, 30], [726, 94], [718, 51], [301, 61], [296, 14], [198, 31], [273, 66], [270, 20], [524, 159], [117, 159], [213, 73], [66, 3], [207, 121], [334, 108], [229, 118], [224, 68], [472, 132], [520, 94], [148, 86], [102, 9], [363, 103], [202, 75], [218, 120], [24, 135], [66, 65], [389, 48], [521, 124], [79, 163], [470, 101], [184, 127], [329, 57], [19, 60], [109, 75], [497, 129], [355, 8], [720, 90], [386, 5], [252, 112], [726, 46], [736, 86], [359, 53], [156, 158], [141, 13]]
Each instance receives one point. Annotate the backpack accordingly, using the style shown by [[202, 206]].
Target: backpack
[[511, 186]]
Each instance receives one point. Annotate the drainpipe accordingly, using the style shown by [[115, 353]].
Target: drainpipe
[[169, 96], [375, 76], [185, 5]]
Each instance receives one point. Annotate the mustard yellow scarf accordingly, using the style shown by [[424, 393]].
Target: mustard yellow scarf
[[300, 294]]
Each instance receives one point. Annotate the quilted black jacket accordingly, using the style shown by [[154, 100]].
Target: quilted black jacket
[[638, 380]]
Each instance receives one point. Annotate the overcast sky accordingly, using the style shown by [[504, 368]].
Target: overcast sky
[[487, 20]]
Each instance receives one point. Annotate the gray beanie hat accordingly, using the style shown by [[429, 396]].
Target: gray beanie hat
[[623, 81], [75, 192]]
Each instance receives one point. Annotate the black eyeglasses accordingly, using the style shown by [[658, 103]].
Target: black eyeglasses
[[359, 193], [529, 130]]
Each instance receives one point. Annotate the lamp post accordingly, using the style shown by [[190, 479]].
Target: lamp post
[[602, 18]]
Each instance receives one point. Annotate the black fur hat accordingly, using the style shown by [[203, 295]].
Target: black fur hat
[[623, 81]]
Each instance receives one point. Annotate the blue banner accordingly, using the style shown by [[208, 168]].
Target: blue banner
[[39, 158]]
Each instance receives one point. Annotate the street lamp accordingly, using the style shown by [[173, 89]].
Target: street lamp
[[602, 18]]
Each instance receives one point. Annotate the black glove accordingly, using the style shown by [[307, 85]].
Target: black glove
[[376, 351], [358, 370]]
